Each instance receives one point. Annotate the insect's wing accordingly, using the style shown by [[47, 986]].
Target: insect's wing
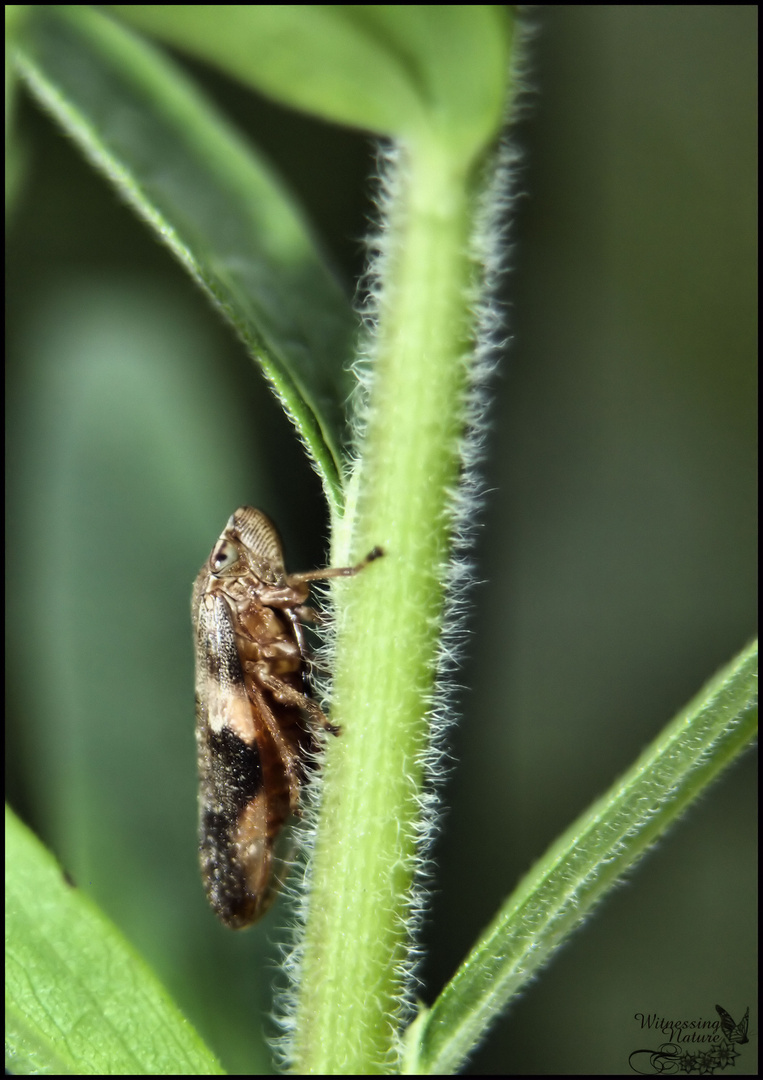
[[727, 1023], [233, 828], [742, 1026], [735, 1033]]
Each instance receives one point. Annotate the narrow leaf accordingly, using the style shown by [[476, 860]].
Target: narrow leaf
[[210, 199], [586, 862]]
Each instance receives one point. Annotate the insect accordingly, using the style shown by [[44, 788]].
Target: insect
[[255, 721], [735, 1033]]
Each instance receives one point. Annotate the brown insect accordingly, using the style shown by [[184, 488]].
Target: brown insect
[[255, 721]]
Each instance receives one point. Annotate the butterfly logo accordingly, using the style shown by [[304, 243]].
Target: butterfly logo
[[735, 1033]]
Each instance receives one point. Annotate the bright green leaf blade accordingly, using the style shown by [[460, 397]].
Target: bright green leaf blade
[[78, 1000], [398, 70], [586, 862], [210, 200]]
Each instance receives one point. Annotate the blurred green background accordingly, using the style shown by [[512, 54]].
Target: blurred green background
[[618, 552]]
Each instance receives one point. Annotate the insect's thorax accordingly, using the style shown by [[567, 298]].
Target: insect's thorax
[[268, 634]]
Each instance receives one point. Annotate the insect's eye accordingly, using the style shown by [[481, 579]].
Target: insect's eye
[[224, 556]]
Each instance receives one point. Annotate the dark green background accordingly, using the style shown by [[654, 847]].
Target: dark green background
[[617, 556]]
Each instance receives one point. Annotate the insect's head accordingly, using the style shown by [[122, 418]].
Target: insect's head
[[249, 545]]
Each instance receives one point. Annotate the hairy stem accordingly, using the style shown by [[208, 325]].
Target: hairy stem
[[354, 964]]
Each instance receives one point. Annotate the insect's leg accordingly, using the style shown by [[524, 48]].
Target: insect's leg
[[305, 613], [335, 571], [287, 754], [289, 695]]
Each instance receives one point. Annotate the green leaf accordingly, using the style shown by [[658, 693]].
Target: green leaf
[[79, 1000], [586, 862], [398, 70], [211, 200]]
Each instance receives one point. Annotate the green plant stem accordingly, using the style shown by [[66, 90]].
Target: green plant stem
[[354, 960]]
